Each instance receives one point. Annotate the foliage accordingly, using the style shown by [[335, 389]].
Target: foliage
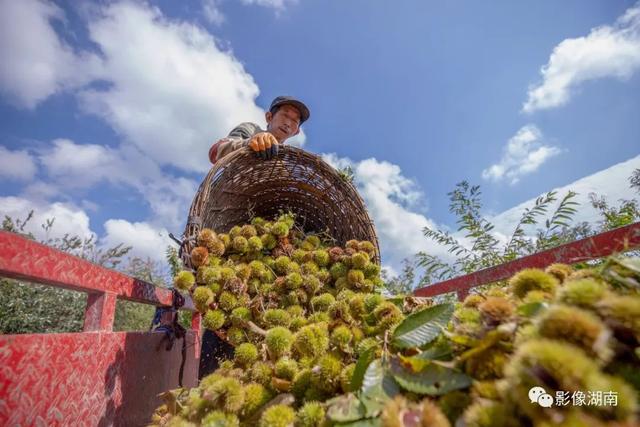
[[480, 247], [402, 283], [346, 174], [634, 180], [30, 308], [484, 249], [613, 217]]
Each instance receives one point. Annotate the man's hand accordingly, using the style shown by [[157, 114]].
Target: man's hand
[[265, 145]]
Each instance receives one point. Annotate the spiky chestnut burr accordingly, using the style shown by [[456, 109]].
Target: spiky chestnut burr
[[336, 253], [338, 270], [227, 301], [202, 298], [213, 319], [184, 280], [199, 256], [325, 376], [254, 244], [355, 276], [240, 244], [532, 279], [286, 368], [276, 317], [559, 271], [578, 327], [226, 393], [206, 237], [278, 341], [359, 260], [301, 383], [311, 340], [472, 300], [261, 372], [311, 414], [214, 419], [279, 229], [245, 355], [582, 292], [321, 257], [277, 416], [255, 397], [496, 310], [247, 231]]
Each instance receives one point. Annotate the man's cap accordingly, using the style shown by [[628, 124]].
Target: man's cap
[[284, 100]]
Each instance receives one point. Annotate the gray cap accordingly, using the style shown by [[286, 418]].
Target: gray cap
[[284, 100]]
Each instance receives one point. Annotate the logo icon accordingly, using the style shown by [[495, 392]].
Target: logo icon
[[540, 396]]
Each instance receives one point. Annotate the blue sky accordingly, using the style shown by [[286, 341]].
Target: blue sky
[[108, 108]]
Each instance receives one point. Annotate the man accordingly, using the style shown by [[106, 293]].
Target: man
[[284, 118]]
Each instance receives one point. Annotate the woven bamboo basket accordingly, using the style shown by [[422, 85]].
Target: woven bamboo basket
[[239, 187]]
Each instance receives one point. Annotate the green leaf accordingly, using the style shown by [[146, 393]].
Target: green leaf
[[622, 271], [373, 376], [438, 350], [433, 380], [361, 367], [531, 309], [345, 408], [377, 388], [422, 327], [418, 362]]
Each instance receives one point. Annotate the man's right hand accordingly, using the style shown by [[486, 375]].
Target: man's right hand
[[264, 144]]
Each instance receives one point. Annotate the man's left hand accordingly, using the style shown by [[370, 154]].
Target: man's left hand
[[264, 144]]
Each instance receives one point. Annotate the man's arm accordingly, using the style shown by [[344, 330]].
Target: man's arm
[[239, 137]]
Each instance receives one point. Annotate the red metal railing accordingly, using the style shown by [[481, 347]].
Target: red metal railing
[[598, 246], [96, 377]]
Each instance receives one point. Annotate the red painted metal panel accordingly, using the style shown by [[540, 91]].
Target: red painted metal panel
[[97, 378], [598, 246], [27, 260], [90, 378], [196, 322], [100, 312]]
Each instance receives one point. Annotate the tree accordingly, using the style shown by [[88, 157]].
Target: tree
[[481, 247], [402, 283], [30, 308]]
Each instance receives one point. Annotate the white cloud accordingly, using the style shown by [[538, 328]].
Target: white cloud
[[166, 86], [211, 11], [17, 165], [278, 5], [523, 154], [82, 166], [390, 271], [72, 166], [68, 218], [608, 51], [35, 62], [172, 90], [611, 182], [146, 240], [394, 204], [41, 191]]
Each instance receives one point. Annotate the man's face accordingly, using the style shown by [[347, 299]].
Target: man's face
[[285, 123]]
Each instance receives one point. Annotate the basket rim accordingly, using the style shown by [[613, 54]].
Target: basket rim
[[196, 215]]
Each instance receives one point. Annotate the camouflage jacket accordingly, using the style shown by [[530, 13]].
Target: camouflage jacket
[[239, 137]]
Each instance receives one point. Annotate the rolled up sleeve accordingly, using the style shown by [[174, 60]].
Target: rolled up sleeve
[[239, 137]]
